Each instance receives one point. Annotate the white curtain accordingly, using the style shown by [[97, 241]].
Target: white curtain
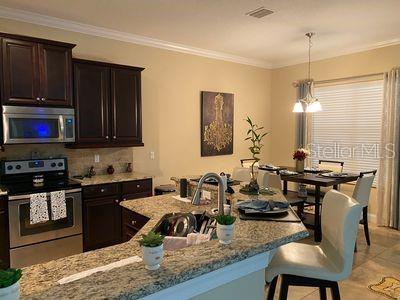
[[304, 120], [388, 180]]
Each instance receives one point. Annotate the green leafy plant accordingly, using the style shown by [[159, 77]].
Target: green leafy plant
[[255, 136], [151, 239], [225, 219], [9, 276]]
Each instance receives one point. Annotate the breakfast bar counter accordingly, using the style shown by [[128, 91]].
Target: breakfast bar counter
[[185, 273]]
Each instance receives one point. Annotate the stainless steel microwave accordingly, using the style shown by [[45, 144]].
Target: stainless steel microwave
[[33, 125]]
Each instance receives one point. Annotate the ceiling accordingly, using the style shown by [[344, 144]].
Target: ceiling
[[221, 28]]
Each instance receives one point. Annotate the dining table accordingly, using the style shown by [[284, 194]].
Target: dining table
[[312, 177]]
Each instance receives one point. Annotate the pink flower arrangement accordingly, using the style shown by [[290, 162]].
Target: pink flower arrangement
[[301, 154]]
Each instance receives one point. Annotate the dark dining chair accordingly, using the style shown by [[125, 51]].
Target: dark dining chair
[[331, 165], [247, 162]]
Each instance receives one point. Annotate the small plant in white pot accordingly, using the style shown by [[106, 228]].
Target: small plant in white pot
[[225, 228], [9, 284], [152, 250]]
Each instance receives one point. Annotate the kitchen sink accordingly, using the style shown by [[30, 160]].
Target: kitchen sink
[[185, 229]]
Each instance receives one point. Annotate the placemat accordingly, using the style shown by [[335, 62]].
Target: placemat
[[290, 216]]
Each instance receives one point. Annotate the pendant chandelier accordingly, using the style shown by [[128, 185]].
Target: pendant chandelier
[[309, 103]]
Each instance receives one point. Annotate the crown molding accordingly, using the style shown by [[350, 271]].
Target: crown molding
[[336, 53], [49, 21], [45, 20]]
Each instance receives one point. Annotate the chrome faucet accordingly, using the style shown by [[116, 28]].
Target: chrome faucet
[[221, 191]]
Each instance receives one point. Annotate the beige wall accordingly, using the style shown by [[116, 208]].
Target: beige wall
[[171, 86], [283, 95], [171, 99]]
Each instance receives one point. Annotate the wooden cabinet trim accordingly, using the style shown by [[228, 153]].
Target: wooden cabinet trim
[[36, 40]]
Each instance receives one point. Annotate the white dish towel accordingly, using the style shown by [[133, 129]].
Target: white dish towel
[[58, 205], [39, 211]]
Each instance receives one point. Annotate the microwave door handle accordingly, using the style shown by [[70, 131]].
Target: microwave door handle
[[61, 130]]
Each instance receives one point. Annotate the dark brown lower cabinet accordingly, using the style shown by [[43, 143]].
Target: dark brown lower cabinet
[[102, 222], [132, 222], [104, 218], [4, 235]]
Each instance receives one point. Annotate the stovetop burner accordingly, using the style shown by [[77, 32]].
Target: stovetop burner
[[49, 186], [17, 176]]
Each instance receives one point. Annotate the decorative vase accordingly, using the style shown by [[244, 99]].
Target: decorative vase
[[11, 292], [225, 233], [253, 185], [153, 256], [110, 169], [299, 166], [129, 168]]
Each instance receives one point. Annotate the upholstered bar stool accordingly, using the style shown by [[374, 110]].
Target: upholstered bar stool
[[268, 179], [324, 264], [361, 193], [241, 174]]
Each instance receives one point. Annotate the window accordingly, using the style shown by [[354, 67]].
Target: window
[[349, 127]]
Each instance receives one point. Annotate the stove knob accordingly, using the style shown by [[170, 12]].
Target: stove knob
[[9, 167], [60, 164], [18, 167], [53, 165]]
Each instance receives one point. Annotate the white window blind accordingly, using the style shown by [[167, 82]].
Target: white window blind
[[349, 127]]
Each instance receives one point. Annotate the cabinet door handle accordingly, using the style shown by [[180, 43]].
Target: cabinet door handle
[[138, 185], [2, 212], [114, 137], [107, 137], [37, 98], [43, 99], [102, 190], [124, 199], [116, 201], [133, 222]]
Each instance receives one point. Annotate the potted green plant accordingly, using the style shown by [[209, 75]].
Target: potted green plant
[[225, 228], [255, 136], [152, 250], [9, 284]]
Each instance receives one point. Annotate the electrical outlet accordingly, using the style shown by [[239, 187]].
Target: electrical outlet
[[96, 158], [151, 154]]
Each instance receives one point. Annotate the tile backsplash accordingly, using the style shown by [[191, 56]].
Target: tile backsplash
[[79, 160]]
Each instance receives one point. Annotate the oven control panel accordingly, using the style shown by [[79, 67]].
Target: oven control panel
[[33, 166]]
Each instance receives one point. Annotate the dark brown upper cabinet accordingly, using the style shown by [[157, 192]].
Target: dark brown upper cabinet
[[36, 71], [108, 105], [91, 94], [125, 106]]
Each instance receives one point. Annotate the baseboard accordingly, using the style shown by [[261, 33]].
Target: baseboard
[[372, 218]]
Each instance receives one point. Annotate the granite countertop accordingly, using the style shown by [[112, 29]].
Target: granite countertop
[[134, 281], [120, 177]]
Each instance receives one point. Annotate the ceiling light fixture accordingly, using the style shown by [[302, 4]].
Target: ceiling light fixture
[[309, 103]]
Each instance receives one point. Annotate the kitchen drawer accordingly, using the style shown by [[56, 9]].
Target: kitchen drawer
[[132, 220], [137, 186], [136, 196], [100, 190]]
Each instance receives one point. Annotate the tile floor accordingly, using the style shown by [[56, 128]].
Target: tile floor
[[372, 263]]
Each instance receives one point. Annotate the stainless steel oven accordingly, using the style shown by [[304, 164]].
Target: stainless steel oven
[[36, 243], [28, 125]]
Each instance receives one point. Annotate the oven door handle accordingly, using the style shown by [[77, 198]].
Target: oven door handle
[[22, 197]]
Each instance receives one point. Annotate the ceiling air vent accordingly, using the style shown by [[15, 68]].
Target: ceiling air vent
[[259, 12]]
